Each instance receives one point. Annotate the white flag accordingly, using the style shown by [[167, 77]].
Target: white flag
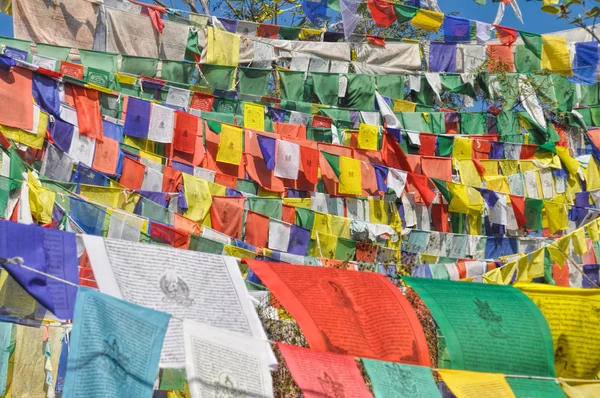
[[288, 160], [162, 123]]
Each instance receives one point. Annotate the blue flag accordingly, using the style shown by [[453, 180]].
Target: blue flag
[[115, 347], [49, 251], [267, 148], [315, 11], [457, 29], [585, 63]]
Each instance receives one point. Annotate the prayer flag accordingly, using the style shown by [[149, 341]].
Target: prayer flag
[[223, 47], [488, 310], [106, 156], [256, 228], [15, 94], [162, 124], [350, 176], [288, 160], [115, 346], [506, 35], [197, 196], [555, 55], [368, 135], [329, 294], [254, 116], [501, 58], [256, 160], [428, 20], [268, 146], [315, 11], [585, 63], [400, 380], [468, 384], [132, 176], [186, 132], [226, 215], [230, 145], [320, 374], [382, 12], [137, 117], [457, 29], [442, 57]]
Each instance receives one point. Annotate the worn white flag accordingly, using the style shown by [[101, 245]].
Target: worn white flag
[[287, 160]]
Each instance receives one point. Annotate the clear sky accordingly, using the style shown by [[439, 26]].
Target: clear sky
[[535, 20]]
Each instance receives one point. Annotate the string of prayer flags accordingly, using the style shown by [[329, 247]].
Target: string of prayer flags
[[115, 346], [483, 313], [314, 316], [320, 374]]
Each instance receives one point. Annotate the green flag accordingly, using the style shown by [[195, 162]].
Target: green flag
[[57, 52], [360, 92], [99, 60], [291, 84], [523, 387], [525, 60], [533, 214], [218, 76], [398, 380], [334, 162], [405, 13], [513, 335], [443, 188], [178, 71], [254, 81], [140, 66], [326, 87], [533, 42], [390, 85], [270, 207]]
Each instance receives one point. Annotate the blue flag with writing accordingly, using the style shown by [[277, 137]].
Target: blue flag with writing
[[115, 347]]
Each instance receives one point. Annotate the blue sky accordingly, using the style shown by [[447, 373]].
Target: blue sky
[[536, 21]]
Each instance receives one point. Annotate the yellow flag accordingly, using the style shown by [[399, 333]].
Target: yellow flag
[[34, 138], [304, 203], [509, 167], [216, 189], [468, 173], [350, 176], [570, 163], [41, 200], [536, 263], [592, 177], [491, 167], [305, 33], [594, 231], [105, 195], [497, 183], [230, 145], [558, 250], [523, 267], [322, 222], [580, 390], [556, 56], [460, 199], [324, 245], [198, 197], [238, 252], [254, 116], [558, 218], [223, 47], [428, 20], [465, 384], [378, 211], [404, 106], [463, 148], [125, 78], [151, 156], [340, 226], [578, 240], [572, 316], [367, 136]]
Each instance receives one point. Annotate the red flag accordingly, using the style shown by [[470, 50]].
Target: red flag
[[382, 12], [376, 40], [335, 311], [439, 214], [427, 144], [288, 214], [269, 31], [172, 179], [421, 183], [393, 155], [527, 151], [518, 206], [501, 58], [202, 101], [186, 130], [133, 174], [172, 236], [320, 374], [506, 35]]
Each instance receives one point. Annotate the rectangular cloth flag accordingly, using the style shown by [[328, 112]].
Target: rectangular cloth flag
[[555, 55], [254, 116], [220, 363], [329, 307], [368, 135], [457, 29], [230, 145], [476, 384], [585, 63], [288, 160], [137, 117], [115, 347], [482, 312], [322, 374], [350, 176], [162, 123], [15, 94], [400, 380], [569, 313], [184, 283], [428, 20]]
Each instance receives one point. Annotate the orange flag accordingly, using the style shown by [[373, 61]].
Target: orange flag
[[296, 131], [89, 118], [226, 215], [257, 229], [16, 99], [172, 179], [106, 156], [341, 311], [421, 182]]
